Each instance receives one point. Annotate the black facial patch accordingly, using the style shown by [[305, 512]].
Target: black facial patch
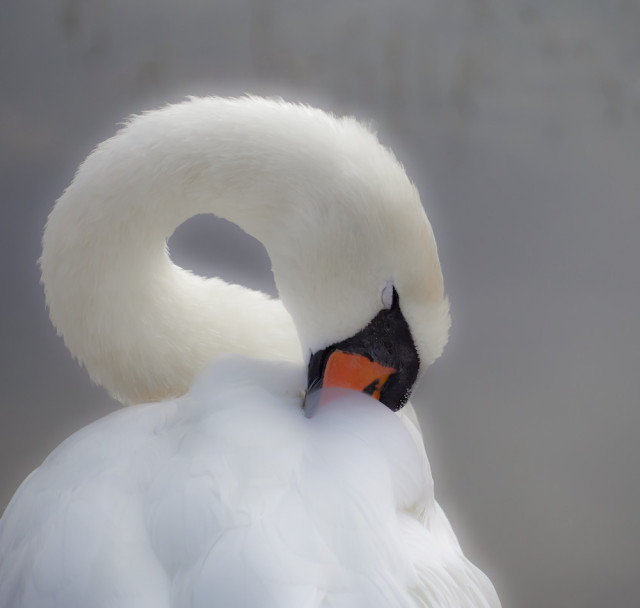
[[386, 340]]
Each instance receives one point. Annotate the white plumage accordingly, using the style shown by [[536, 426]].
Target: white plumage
[[228, 495]]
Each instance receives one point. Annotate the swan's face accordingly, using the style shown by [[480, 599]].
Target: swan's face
[[380, 360]]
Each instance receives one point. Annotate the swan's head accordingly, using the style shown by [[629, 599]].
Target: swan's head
[[358, 269]]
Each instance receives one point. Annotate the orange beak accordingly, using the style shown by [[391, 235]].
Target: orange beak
[[349, 370]]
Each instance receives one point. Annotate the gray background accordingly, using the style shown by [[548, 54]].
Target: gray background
[[519, 121]]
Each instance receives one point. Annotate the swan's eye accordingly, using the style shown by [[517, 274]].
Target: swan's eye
[[387, 295]]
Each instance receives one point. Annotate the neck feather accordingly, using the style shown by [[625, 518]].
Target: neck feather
[[142, 326]]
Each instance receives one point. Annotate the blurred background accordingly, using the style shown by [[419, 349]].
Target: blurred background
[[519, 120]]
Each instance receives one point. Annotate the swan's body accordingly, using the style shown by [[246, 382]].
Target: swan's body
[[229, 496]]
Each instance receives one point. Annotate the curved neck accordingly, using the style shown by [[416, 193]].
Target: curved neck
[[334, 209], [142, 326]]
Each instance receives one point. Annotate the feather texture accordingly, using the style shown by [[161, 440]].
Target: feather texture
[[230, 496]]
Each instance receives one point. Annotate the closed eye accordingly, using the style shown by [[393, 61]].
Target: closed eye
[[387, 295]]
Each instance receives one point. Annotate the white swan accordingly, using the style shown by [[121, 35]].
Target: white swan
[[229, 495]]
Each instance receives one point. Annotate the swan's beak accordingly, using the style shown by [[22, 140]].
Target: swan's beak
[[351, 371], [357, 372]]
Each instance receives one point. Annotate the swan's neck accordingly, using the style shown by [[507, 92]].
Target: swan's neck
[[142, 326]]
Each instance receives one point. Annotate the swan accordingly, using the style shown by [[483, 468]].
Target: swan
[[269, 456]]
